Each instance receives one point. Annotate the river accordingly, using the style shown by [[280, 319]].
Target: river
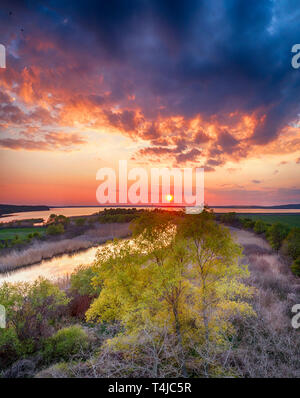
[[60, 266], [55, 268]]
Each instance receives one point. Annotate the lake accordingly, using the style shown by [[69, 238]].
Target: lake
[[86, 211]]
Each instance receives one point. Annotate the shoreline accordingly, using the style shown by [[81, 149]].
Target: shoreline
[[39, 252]]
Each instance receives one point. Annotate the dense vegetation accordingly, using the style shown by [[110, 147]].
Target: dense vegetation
[[282, 237], [10, 237], [290, 220], [13, 236], [173, 301]]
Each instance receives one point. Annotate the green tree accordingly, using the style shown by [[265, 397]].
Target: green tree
[[81, 281], [291, 244], [66, 343], [31, 311], [296, 267], [260, 227], [55, 229], [276, 234], [80, 221], [183, 275]]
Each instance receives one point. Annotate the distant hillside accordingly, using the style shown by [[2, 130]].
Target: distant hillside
[[9, 209]]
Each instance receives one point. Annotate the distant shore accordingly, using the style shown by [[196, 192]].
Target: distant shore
[[46, 250], [5, 210]]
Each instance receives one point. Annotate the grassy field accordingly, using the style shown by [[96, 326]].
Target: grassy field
[[10, 233], [292, 220]]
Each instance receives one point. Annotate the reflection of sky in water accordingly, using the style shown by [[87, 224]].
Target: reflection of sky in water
[[51, 269]]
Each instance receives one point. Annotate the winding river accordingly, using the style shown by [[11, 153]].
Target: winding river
[[55, 268]]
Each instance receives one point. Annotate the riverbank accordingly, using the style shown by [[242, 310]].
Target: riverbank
[[40, 251], [259, 342]]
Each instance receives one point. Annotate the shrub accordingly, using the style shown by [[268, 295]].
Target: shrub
[[81, 281], [55, 229], [229, 218], [62, 220], [31, 312], [296, 267], [80, 221], [10, 347], [66, 343], [247, 223], [260, 227], [276, 234], [291, 245]]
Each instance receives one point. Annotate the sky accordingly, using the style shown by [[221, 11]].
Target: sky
[[196, 83]]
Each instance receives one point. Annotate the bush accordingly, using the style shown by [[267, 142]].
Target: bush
[[276, 234], [31, 313], [80, 221], [229, 218], [66, 343], [291, 245], [247, 223], [296, 267], [260, 227], [62, 220], [10, 347], [55, 229], [81, 281]]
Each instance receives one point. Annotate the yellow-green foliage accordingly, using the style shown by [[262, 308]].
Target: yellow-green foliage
[[55, 229], [66, 343], [186, 276], [31, 311], [81, 281]]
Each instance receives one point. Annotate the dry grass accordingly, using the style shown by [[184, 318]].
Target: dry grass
[[268, 345], [45, 250]]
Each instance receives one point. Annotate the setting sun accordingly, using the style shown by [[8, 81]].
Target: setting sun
[[169, 198]]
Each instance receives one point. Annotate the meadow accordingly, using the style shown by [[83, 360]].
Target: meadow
[[22, 233], [291, 220]]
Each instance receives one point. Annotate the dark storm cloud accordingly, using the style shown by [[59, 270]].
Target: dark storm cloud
[[204, 57], [177, 58]]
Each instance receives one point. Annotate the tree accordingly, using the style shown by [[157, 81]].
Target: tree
[[214, 259], [276, 234], [296, 266], [31, 311], [260, 227], [291, 244], [55, 229], [183, 275], [80, 221]]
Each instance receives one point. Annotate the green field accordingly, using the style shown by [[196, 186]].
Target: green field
[[10, 233], [292, 220]]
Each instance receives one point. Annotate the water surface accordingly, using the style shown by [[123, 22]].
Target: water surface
[[55, 268], [86, 211]]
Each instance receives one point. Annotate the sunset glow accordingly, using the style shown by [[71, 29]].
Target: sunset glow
[[169, 198], [78, 96]]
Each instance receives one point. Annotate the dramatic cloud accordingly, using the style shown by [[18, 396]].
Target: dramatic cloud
[[202, 83], [135, 65], [53, 141]]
